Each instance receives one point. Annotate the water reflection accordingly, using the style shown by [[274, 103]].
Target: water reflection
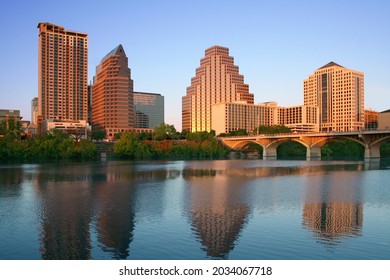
[[65, 212], [333, 207], [10, 181], [130, 210], [115, 212], [217, 211]]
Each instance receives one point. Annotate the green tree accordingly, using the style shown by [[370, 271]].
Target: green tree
[[130, 147], [273, 129], [11, 129], [163, 132]]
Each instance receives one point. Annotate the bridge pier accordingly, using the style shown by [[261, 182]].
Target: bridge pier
[[269, 153], [371, 152], [313, 152]]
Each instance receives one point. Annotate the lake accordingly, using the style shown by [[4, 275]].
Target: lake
[[195, 210]]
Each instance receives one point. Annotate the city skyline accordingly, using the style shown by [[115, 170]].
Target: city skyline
[[164, 41]]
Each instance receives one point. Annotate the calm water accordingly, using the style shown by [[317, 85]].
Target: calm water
[[233, 209]]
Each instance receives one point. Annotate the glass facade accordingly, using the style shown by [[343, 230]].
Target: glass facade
[[149, 109]]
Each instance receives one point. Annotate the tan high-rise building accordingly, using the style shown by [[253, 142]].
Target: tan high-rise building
[[217, 80], [62, 73], [339, 94], [112, 94]]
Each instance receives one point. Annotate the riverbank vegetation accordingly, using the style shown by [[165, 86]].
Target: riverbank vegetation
[[164, 143]]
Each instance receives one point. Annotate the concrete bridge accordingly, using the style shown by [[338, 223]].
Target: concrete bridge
[[371, 140]]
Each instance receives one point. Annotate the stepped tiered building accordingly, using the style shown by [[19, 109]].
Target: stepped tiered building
[[217, 80]]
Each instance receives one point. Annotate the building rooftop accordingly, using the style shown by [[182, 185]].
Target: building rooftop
[[117, 49], [387, 111], [331, 64]]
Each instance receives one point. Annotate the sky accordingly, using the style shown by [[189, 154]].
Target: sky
[[276, 44]]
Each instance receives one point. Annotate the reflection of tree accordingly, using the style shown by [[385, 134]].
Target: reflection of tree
[[333, 207]]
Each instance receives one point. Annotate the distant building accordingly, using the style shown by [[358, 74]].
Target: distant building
[[62, 74], [217, 80], [9, 114], [79, 129], [339, 94], [112, 94], [370, 119], [384, 120], [149, 109], [228, 117], [299, 118], [34, 110]]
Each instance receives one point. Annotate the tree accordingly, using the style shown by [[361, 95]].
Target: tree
[[129, 146], [163, 132], [273, 129], [11, 129]]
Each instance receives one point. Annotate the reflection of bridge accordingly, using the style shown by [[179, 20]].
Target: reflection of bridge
[[371, 140]]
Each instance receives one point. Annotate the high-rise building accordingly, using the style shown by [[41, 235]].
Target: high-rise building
[[217, 80], [112, 94], [62, 73], [339, 94], [149, 109], [34, 110]]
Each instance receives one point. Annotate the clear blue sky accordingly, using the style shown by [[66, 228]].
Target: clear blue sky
[[276, 44]]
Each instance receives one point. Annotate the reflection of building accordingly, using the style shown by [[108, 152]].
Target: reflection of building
[[115, 220], [333, 207], [384, 120], [339, 94], [332, 220], [217, 80], [62, 73], [112, 94], [149, 109], [217, 216], [66, 217], [228, 117]]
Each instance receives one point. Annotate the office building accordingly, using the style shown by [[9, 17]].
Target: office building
[[384, 120], [6, 115], [112, 94], [149, 109], [217, 80], [62, 74], [339, 94], [34, 110], [370, 119], [299, 118], [228, 117]]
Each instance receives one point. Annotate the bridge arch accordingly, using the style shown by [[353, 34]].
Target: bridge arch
[[322, 141], [241, 144], [271, 149], [373, 150]]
